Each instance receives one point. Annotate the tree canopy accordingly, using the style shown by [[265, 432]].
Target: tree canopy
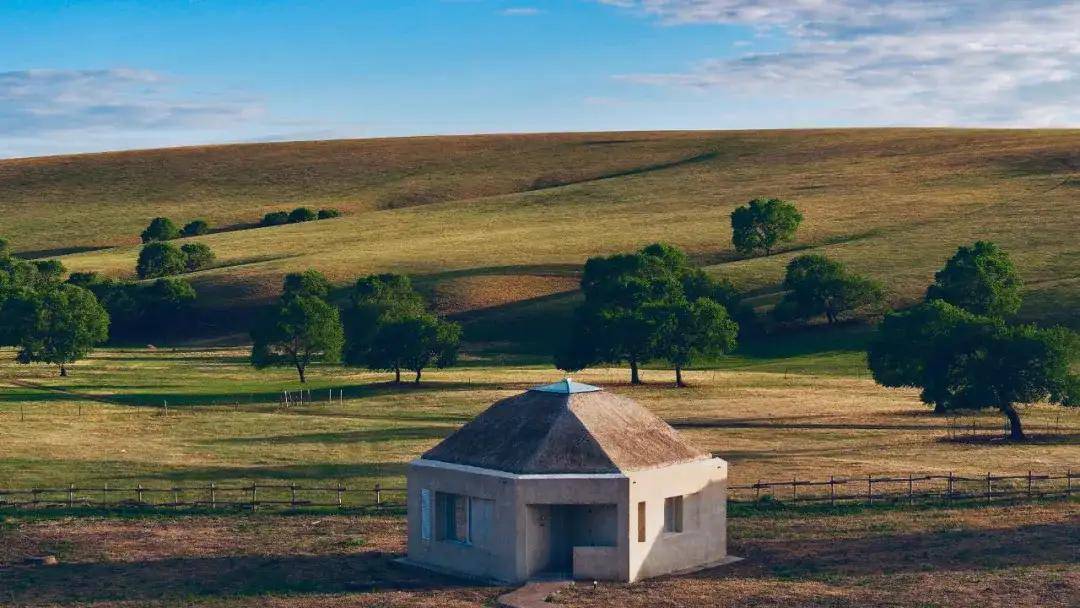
[[195, 228], [819, 286], [160, 260], [979, 278], [633, 303], [58, 325], [388, 327], [163, 308], [302, 214], [963, 361], [762, 224], [299, 330], [306, 283], [196, 256], [160, 229]]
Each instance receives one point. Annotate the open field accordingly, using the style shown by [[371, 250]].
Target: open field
[[225, 422], [497, 226], [1019, 555]]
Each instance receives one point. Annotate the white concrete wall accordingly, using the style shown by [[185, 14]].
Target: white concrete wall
[[703, 484]]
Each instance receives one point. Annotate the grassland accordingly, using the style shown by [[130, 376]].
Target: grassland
[[494, 228], [225, 422]]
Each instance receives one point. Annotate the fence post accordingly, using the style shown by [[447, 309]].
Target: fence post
[[138, 494], [71, 495], [870, 489], [1068, 482], [989, 487], [832, 491], [292, 494], [340, 489], [213, 495], [794, 490], [33, 496], [949, 495], [254, 489], [378, 494], [757, 491], [176, 496], [910, 493], [105, 494], [1029, 484]]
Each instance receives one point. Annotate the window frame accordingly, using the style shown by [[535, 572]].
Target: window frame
[[674, 514]]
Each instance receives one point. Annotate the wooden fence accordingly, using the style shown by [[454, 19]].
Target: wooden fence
[[908, 488], [870, 489], [235, 495]]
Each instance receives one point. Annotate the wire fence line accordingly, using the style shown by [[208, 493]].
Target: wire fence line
[[835, 490], [212, 495], [909, 488]]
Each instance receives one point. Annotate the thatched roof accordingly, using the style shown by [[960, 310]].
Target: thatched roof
[[565, 427]]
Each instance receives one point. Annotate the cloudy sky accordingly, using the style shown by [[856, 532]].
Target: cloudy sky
[[88, 75]]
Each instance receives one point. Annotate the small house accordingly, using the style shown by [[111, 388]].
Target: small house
[[566, 480]]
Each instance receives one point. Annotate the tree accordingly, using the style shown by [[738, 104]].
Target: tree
[[296, 332], [325, 214], [302, 214], [762, 224], [963, 361], [195, 228], [59, 326], [275, 218], [160, 229], [306, 283], [196, 256], [49, 271], [691, 329], [376, 299], [414, 343], [140, 311], [159, 260], [622, 292], [979, 278], [819, 286]]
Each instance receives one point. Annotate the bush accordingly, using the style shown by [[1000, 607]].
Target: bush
[[195, 228], [302, 214], [325, 214], [275, 218], [160, 229], [160, 260], [196, 256]]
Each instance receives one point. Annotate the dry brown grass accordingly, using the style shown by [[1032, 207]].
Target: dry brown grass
[[993, 556]]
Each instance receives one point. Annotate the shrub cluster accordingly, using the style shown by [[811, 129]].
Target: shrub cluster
[[163, 229], [300, 214], [164, 259]]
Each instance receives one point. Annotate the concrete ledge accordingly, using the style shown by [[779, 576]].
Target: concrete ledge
[[731, 559]]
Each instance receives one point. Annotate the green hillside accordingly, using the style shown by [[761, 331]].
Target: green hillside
[[494, 227]]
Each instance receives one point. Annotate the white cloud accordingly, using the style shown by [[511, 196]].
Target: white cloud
[[72, 105], [521, 11], [965, 62]]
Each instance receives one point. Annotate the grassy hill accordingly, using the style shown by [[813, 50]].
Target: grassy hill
[[495, 227]]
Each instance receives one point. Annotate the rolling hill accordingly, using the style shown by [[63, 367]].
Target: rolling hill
[[495, 227]]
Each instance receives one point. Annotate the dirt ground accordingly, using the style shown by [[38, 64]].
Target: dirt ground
[[1019, 555]]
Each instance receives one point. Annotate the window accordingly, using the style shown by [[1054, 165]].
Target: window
[[453, 517], [641, 522], [425, 514], [673, 514]]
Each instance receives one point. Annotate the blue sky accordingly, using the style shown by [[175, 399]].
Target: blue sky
[[87, 75]]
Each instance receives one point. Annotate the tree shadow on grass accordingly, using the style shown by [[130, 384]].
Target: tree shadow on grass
[[217, 577], [363, 436]]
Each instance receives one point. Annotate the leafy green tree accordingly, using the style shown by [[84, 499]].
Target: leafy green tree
[[275, 218], [691, 329], [196, 256], [325, 214], [615, 323], [59, 325], [163, 308], [963, 361], [195, 228], [299, 330], [374, 300], [160, 229], [85, 279], [414, 342], [979, 278], [302, 214], [307, 283], [50, 271], [160, 260], [762, 224], [819, 286]]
